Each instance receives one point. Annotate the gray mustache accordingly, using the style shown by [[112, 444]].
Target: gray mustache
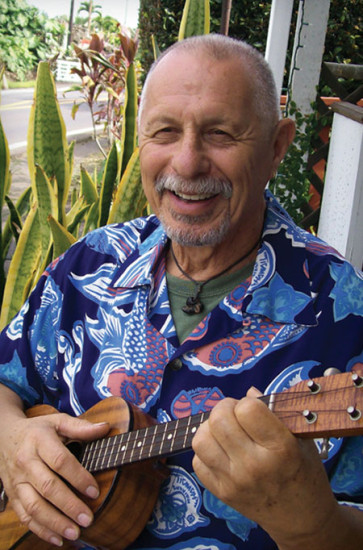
[[200, 186]]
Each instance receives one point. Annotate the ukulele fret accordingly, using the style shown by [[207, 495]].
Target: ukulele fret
[[163, 428], [150, 451], [172, 435], [340, 396], [107, 457], [132, 436], [141, 442], [95, 455]]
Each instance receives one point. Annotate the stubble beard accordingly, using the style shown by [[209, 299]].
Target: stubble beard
[[185, 231]]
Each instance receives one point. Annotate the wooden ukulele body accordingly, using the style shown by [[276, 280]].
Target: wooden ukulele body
[[130, 470], [127, 496]]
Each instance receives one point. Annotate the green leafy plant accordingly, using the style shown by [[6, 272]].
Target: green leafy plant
[[55, 215], [112, 71], [291, 185], [51, 216], [26, 37]]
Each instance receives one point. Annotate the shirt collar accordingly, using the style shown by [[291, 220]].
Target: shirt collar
[[143, 260], [281, 285], [282, 277]]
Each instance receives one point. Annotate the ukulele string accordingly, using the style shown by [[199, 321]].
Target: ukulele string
[[151, 437], [284, 397], [148, 438]]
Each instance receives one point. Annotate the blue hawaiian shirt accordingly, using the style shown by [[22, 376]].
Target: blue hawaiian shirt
[[99, 324]]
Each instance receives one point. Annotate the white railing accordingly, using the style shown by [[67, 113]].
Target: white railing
[[341, 216]]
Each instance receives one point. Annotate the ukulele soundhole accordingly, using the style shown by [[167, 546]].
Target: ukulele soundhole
[[76, 448]]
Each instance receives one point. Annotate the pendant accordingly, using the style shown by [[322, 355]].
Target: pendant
[[193, 305]]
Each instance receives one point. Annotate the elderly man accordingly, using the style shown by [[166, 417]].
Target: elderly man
[[185, 312]]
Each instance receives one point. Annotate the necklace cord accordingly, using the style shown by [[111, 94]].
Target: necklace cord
[[193, 303]]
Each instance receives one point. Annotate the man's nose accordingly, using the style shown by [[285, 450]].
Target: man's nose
[[189, 158]]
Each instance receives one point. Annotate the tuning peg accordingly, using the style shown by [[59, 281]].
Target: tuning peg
[[324, 450], [309, 416], [331, 370], [354, 413], [357, 380], [313, 386]]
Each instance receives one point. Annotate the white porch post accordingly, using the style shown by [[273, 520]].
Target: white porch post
[[341, 217], [308, 52], [277, 38]]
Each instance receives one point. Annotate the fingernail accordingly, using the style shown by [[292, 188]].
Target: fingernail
[[84, 520], [70, 533], [56, 541], [92, 492], [253, 391]]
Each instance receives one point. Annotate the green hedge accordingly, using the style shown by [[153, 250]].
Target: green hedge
[[249, 21]]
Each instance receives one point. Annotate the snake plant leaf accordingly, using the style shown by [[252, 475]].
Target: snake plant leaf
[[47, 206], [74, 211], [129, 123], [14, 221], [91, 218], [88, 187], [70, 158], [13, 224], [4, 167], [110, 176], [155, 46], [62, 238], [22, 268], [47, 142], [195, 19], [130, 199], [4, 187], [79, 212]]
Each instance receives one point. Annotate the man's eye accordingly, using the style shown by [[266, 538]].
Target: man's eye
[[166, 130], [219, 135]]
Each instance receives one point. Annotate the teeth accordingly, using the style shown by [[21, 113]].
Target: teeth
[[195, 197]]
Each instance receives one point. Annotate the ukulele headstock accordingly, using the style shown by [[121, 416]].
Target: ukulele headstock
[[329, 406]]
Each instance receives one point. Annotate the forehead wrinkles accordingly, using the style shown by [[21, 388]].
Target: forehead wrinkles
[[188, 73], [212, 94]]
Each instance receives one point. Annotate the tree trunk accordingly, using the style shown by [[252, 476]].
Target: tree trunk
[[90, 11], [225, 17]]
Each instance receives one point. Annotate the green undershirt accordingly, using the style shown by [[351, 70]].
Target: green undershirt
[[212, 293]]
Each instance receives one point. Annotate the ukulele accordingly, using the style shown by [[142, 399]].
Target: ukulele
[[129, 465]]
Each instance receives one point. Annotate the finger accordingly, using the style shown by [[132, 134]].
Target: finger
[[52, 488], [78, 428], [43, 519], [262, 426], [254, 392], [207, 447], [228, 431], [60, 460]]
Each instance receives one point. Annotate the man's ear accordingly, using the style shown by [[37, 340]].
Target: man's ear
[[283, 137]]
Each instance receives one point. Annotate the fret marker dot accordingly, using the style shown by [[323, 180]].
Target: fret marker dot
[[123, 448], [139, 444], [170, 436], [194, 430]]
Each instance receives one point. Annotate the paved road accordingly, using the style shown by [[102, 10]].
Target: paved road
[[15, 109]]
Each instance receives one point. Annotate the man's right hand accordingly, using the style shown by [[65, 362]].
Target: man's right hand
[[37, 469]]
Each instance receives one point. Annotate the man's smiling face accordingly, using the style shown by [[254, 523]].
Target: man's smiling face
[[205, 156]]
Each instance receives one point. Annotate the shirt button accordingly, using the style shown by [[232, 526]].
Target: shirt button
[[176, 364]]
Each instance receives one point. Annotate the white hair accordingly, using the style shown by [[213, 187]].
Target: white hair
[[220, 47]]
